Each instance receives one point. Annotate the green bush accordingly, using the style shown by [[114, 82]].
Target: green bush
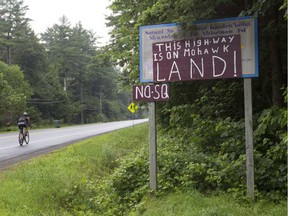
[[194, 153], [271, 153], [209, 154]]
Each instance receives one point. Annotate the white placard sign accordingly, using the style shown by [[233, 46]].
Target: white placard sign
[[246, 27]]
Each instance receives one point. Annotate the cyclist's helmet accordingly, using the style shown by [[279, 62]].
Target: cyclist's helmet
[[25, 114]]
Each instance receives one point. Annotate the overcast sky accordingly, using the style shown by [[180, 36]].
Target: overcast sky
[[91, 13]]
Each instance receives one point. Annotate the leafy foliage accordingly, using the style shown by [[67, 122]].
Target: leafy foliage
[[13, 25], [70, 77], [204, 144], [271, 150], [205, 155], [90, 80], [108, 175], [221, 148], [195, 153], [14, 90]]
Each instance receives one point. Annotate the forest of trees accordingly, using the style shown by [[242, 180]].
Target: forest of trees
[[68, 77], [59, 74], [62, 74]]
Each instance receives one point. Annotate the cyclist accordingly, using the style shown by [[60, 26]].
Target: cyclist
[[24, 122]]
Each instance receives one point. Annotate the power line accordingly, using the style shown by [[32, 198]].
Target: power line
[[45, 101]]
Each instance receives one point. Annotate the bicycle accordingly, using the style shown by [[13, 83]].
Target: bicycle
[[23, 137]]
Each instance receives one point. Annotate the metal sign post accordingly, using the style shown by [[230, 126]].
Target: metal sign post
[[152, 146], [249, 137]]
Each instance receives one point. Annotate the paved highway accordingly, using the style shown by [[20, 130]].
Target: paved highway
[[42, 141]]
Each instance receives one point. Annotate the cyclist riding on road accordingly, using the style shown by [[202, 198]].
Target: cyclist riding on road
[[24, 122]]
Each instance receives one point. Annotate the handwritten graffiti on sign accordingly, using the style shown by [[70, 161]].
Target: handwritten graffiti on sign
[[247, 27], [199, 58], [149, 93]]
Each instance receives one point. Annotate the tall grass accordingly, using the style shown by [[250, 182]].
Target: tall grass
[[195, 204], [44, 185], [36, 187]]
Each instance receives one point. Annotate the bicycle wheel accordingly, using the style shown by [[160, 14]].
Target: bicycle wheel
[[20, 138], [26, 137]]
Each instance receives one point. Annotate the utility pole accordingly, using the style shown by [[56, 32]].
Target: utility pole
[[81, 100], [100, 101], [100, 97]]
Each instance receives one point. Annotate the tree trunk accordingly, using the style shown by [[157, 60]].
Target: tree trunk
[[275, 60], [81, 100], [276, 73], [8, 57]]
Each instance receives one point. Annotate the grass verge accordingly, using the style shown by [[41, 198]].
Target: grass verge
[[192, 203], [36, 187], [39, 186]]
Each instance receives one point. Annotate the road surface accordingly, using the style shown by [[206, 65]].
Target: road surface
[[43, 141]]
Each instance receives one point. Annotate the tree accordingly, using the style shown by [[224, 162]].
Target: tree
[[14, 92], [57, 41], [20, 46], [273, 44], [89, 78], [124, 47], [104, 84], [13, 25]]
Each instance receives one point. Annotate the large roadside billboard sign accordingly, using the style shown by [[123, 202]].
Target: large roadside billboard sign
[[213, 49]]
